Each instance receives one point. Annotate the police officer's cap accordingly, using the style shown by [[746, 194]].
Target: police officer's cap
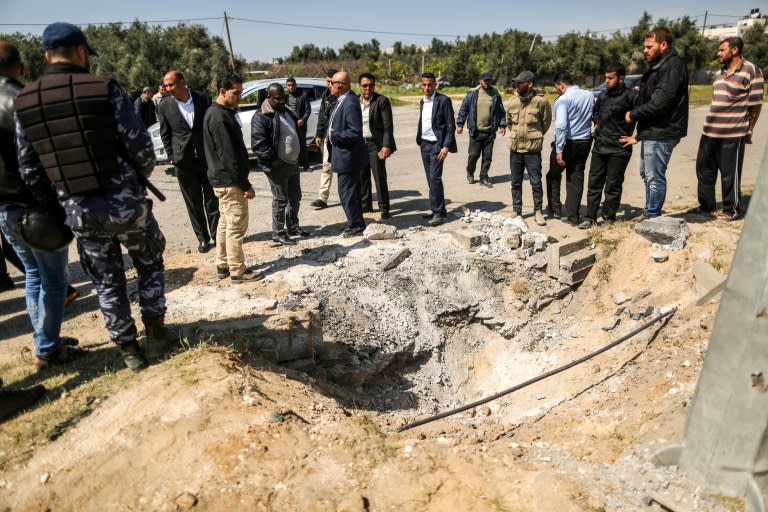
[[60, 34]]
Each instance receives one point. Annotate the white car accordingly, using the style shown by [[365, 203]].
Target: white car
[[254, 93]]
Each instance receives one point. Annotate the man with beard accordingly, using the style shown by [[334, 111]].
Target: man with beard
[[661, 116], [280, 150], [737, 98], [529, 116], [484, 114], [611, 152]]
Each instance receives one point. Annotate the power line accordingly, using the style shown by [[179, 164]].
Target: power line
[[321, 27]]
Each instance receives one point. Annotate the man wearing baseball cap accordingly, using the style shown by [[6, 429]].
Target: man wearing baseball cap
[[81, 144], [483, 112]]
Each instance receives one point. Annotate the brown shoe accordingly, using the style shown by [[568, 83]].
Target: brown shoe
[[640, 218], [538, 216], [247, 276]]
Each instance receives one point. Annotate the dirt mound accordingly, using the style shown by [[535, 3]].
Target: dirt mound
[[232, 425]]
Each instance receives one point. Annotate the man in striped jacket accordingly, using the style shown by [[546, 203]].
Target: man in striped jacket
[[737, 97]]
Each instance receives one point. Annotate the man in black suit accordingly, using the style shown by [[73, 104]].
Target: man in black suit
[[298, 102], [181, 128], [348, 154], [380, 141], [435, 136]]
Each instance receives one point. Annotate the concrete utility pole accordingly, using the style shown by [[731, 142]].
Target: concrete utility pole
[[229, 40], [726, 433]]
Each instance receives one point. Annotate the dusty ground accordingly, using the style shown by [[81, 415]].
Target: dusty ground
[[220, 426]]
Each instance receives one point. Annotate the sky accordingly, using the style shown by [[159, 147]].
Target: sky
[[335, 23]]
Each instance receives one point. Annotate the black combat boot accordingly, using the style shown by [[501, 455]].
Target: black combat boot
[[160, 337], [133, 357]]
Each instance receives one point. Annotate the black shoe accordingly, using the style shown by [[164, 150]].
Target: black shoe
[[385, 214], [204, 247], [133, 356], [248, 275], [436, 220], [470, 179], [283, 239], [428, 216], [6, 283], [160, 337], [297, 231], [318, 204], [553, 214], [13, 402], [573, 221], [64, 355], [352, 232], [486, 183], [222, 272]]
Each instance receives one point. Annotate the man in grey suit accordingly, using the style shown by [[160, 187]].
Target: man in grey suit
[[181, 117], [348, 154]]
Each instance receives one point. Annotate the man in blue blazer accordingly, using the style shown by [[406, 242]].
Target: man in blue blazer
[[348, 152], [435, 137]]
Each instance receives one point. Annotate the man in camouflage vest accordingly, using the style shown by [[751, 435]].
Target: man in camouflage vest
[[80, 142]]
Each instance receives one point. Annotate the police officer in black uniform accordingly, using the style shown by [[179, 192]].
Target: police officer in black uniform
[[79, 136]]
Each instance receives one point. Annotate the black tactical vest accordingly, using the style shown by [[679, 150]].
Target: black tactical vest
[[69, 120]]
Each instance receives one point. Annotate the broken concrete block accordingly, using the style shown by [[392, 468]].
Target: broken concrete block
[[376, 231], [514, 241], [709, 282], [469, 238], [557, 250], [517, 221], [664, 230], [537, 241], [397, 259], [641, 295], [577, 261], [574, 277]]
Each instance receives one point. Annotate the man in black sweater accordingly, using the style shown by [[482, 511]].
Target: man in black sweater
[[227, 161]]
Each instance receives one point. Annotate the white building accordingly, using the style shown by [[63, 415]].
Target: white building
[[720, 32]]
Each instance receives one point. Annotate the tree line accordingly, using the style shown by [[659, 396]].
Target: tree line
[[138, 54]]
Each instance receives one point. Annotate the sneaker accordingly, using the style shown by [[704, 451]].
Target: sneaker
[[318, 204], [538, 217], [133, 357], [486, 183], [248, 275], [437, 220], [470, 179], [222, 272], [586, 224], [72, 295], [298, 231], [13, 402], [349, 232]]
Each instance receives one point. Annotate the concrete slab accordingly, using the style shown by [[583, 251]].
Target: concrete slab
[[709, 282]]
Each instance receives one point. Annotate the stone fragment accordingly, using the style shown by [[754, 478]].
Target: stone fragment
[[517, 221], [469, 238], [377, 231], [397, 259], [613, 324], [620, 298], [659, 256], [641, 295], [709, 282], [186, 501], [664, 230], [514, 241]]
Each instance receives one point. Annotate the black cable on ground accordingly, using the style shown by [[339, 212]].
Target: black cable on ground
[[541, 377]]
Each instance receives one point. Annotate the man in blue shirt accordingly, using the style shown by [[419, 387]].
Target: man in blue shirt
[[573, 139]]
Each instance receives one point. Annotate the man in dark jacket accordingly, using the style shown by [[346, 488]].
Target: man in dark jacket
[[661, 115], [379, 136], [435, 137], [104, 199], [145, 107], [227, 161], [45, 272], [276, 142], [611, 151], [298, 102], [181, 128], [327, 102], [483, 112]]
